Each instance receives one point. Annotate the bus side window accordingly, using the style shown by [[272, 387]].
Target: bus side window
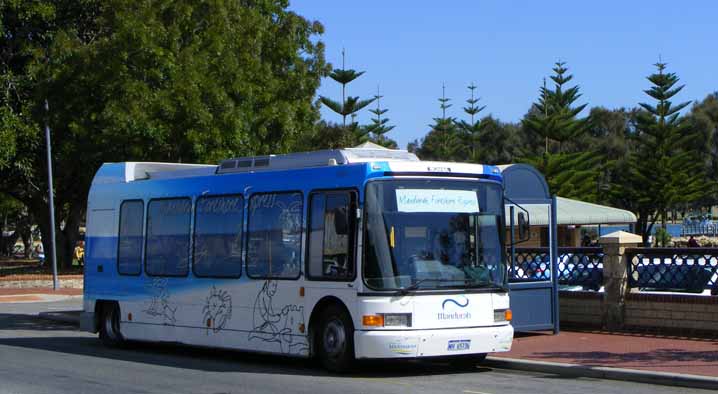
[[168, 235], [129, 242], [274, 235], [218, 236], [331, 238]]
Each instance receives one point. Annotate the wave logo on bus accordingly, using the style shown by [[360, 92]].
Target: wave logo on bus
[[456, 314]]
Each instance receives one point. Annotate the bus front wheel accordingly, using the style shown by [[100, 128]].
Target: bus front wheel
[[335, 340], [110, 333]]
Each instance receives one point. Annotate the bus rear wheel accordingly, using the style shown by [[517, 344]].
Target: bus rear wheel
[[335, 340], [110, 333]]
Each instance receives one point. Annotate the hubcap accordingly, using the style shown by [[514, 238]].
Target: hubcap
[[334, 338]]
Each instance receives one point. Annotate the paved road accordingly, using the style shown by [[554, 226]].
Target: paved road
[[38, 356]]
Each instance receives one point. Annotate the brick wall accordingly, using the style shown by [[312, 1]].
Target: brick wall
[[672, 312], [580, 308], [676, 313]]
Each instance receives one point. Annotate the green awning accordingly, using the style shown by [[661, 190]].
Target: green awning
[[577, 213]]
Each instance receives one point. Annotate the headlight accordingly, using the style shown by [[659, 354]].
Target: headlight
[[502, 315], [397, 320]]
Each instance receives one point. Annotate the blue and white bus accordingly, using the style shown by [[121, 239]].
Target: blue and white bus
[[347, 254]]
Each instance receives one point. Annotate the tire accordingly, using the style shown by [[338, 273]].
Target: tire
[[335, 340], [110, 334], [467, 362]]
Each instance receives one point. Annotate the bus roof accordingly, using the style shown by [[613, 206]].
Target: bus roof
[[381, 160]]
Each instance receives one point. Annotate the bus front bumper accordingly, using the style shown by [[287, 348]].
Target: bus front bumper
[[432, 343]]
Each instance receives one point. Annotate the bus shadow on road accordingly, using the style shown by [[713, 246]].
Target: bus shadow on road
[[203, 359], [12, 321]]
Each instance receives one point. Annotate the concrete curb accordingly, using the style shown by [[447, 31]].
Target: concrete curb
[[71, 317], [630, 375]]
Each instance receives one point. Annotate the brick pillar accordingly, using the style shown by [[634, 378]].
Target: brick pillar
[[615, 276]]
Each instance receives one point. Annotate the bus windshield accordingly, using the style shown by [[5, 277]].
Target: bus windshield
[[434, 234]]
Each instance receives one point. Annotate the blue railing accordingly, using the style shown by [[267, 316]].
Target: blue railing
[[581, 267], [529, 265], [708, 229], [691, 270], [576, 266]]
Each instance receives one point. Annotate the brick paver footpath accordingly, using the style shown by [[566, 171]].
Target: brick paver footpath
[[647, 352]]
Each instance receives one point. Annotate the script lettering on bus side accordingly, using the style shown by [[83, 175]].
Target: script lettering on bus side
[[219, 205], [174, 207]]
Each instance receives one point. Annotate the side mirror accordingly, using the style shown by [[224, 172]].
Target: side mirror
[[524, 227]]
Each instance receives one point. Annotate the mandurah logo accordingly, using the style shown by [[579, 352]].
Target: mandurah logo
[[464, 305], [455, 315], [402, 348]]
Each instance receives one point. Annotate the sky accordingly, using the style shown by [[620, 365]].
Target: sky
[[506, 47]]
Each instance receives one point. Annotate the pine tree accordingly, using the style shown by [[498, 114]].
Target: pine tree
[[571, 175], [663, 171], [350, 105], [378, 128], [472, 129], [553, 116], [443, 141]]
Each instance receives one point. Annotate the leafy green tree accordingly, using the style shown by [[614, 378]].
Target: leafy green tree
[[554, 117], [379, 127], [609, 136], [662, 171], [327, 135], [350, 105], [10, 210], [499, 142], [148, 80], [703, 120], [473, 128]]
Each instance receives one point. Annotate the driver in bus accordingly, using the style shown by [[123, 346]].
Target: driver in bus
[[450, 248]]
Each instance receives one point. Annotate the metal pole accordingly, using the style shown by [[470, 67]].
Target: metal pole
[[511, 240], [553, 248], [51, 199]]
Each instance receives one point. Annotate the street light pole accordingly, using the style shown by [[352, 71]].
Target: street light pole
[[51, 199]]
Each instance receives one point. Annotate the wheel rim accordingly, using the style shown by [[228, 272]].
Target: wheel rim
[[334, 338]]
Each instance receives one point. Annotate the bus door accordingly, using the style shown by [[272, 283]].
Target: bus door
[[331, 246], [273, 294]]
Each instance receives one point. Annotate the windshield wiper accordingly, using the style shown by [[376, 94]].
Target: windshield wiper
[[471, 283], [467, 283], [415, 285]]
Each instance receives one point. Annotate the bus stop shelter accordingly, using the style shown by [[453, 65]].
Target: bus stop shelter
[[534, 298]]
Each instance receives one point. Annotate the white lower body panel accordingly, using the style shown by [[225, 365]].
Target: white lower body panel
[[431, 343]]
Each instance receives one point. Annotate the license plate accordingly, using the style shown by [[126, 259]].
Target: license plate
[[464, 344]]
